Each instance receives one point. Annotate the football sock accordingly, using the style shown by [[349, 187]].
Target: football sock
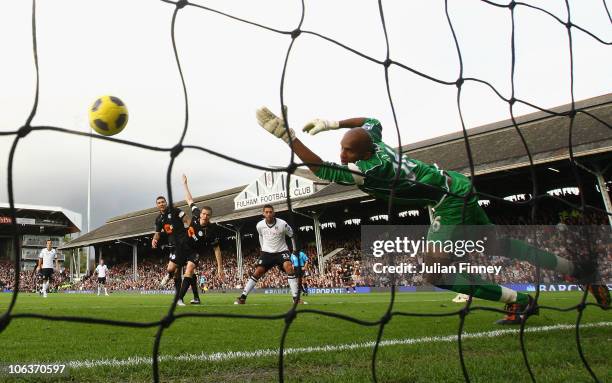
[[177, 283], [250, 285], [194, 288], [185, 286], [293, 284]]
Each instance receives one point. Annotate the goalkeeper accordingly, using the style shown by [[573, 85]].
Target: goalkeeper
[[371, 164]]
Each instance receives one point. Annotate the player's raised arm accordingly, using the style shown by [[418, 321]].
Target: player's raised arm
[[188, 196]]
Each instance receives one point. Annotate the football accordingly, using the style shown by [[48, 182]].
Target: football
[[108, 115]]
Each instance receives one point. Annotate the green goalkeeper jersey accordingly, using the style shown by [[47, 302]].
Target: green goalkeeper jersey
[[380, 171]]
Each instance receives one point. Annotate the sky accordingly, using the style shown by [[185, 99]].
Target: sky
[[123, 48]]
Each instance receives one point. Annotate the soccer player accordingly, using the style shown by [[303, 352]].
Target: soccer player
[[101, 270], [46, 259], [203, 235], [299, 260], [274, 252], [172, 222], [363, 151], [347, 278]]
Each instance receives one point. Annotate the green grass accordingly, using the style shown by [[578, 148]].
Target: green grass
[[553, 354]]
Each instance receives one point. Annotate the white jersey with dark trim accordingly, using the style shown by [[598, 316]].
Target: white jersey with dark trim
[[47, 256], [101, 270], [272, 237]]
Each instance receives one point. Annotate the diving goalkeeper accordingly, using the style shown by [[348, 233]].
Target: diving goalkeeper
[[371, 164]]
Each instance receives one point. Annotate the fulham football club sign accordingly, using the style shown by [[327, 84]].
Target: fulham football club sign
[[271, 188]]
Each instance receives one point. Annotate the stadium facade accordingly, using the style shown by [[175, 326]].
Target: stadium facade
[[36, 225], [500, 164]]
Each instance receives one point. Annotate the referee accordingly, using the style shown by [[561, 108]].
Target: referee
[[300, 260]]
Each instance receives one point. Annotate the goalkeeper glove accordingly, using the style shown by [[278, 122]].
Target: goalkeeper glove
[[274, 124], [317, 125]]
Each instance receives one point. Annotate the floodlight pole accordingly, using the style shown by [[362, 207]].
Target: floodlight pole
[[89, 196]]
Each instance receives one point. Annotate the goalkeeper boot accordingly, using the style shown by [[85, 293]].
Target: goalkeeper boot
[[601, 293], [180, 303], [512, 316], [195, 302]]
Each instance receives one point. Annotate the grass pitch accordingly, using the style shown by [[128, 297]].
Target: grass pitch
[[320, 349]]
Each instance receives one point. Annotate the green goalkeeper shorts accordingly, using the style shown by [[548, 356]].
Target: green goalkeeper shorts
[[450, 212]]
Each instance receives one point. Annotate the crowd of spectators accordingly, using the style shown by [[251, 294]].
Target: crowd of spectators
[[345, 267], [28, 280]]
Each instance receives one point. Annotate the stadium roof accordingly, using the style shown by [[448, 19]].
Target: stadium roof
[[495, 147], [546, 135], [74, 219]]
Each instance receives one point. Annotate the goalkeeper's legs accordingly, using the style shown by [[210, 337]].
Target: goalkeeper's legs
[[515, 249], [585, 272], [471, 284]]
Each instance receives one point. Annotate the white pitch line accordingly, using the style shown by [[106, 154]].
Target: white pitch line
[[229, 355]]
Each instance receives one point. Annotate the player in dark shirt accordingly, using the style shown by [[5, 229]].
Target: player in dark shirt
[[202, 235], [171, 222]]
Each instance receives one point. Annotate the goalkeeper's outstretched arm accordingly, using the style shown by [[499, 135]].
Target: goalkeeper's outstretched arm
[[276, 126]]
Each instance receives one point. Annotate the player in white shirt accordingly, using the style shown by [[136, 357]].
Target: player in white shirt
[[101, 270], [46, 260], [274, 252]]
